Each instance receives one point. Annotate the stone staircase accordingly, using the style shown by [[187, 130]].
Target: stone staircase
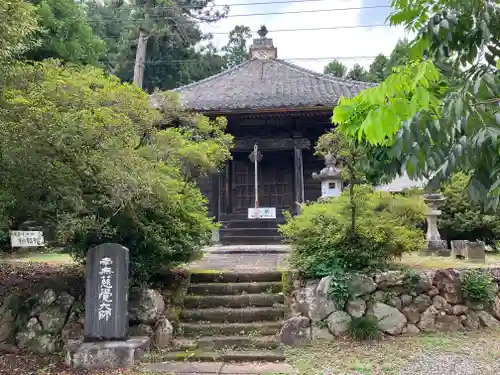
[[231, 317], [237, 229]]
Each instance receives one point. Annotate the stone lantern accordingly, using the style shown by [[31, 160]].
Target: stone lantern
[[330, 177], [434, 242]]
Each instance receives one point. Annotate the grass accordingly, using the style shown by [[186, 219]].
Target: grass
[[434, 262], [38, 257], [410, 260], [390, 355]]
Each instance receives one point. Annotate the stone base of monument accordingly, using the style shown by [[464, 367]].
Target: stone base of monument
[[436, 247], [105, 354]]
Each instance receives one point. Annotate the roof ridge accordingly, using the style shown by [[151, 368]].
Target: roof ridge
[[348, 80], [323, 76], [208, 79]]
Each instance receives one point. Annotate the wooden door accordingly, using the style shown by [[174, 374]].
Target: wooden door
[[275, 181]]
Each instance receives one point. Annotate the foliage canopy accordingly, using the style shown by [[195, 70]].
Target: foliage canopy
[[64, 33], [322, 237], [18, 23], [438, 114], [463, 219], [86, 158]]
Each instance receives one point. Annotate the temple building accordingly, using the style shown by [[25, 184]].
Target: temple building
[[283, 109]]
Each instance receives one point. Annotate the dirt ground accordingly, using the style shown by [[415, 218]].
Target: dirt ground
[[460, 353]]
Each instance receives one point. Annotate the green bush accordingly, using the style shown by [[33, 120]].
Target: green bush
[[386, 227], [462, 219], [338, 290], [88, 159], [478, 286], [363, 328], [411, 279]]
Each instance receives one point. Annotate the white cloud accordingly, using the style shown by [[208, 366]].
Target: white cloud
[[340, 43]]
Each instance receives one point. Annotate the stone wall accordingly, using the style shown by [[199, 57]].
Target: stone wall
[[44, 319], [433, 302]]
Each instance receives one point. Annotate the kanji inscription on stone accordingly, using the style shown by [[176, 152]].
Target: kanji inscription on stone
[[106, 293]]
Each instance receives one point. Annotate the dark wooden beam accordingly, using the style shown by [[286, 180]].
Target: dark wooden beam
[[269, 144], [298, 172]]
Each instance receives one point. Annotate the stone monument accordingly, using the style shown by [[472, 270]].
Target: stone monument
[[330, 177], [106, 343], [459, 249], [476, 252], [435, 245]]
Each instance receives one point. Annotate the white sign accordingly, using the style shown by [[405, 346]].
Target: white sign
[[26, 238], [105, 294], [264, 213]]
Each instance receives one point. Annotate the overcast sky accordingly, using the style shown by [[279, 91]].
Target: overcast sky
[[319, 43]]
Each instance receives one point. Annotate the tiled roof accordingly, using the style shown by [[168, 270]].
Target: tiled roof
[[272, 83]]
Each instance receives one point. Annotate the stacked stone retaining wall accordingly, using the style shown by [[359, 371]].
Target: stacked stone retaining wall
[[44, 318], [433, 302]]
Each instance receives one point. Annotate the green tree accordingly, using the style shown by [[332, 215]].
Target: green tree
[[358, 73], [348, 155], [398, 56], [172, 54], [324, 243], [18, 23], [462, 219], [87, 159], [382, 67], [336, 67], [236, 48], [378, 68], [64, 33], [439, 113]]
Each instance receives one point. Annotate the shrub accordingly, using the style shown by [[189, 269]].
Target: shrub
[[462, 219], [386, 227], [478, 286], [411, 279], [363, 328], [338, 290], [87, 157]]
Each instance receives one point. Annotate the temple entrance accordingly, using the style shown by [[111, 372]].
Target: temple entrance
[[275, 181]]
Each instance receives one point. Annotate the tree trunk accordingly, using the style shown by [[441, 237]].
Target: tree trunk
[[140, 58], [351, 199]]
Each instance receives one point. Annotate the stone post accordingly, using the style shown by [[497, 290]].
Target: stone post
[[434, 242], [106, 305], [476, 252], [106, 343], [216, 205]]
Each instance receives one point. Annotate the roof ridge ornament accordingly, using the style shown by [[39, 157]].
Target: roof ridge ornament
[[262, 32], [262, 47]]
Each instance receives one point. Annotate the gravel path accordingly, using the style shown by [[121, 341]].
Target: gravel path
[[451, 364]]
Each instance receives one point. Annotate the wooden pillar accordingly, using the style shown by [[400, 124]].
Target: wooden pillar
[[228, 187], [298, 180], [216, 177]]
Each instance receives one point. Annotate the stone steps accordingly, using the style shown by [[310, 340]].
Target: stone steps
[[236, 277], [231, 301], [240, 222], [230, 317], [226, 356], [229, 329], [248, 239], [225, 342], [268, 287], [233, 315], [249, 232], [238, 229]]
